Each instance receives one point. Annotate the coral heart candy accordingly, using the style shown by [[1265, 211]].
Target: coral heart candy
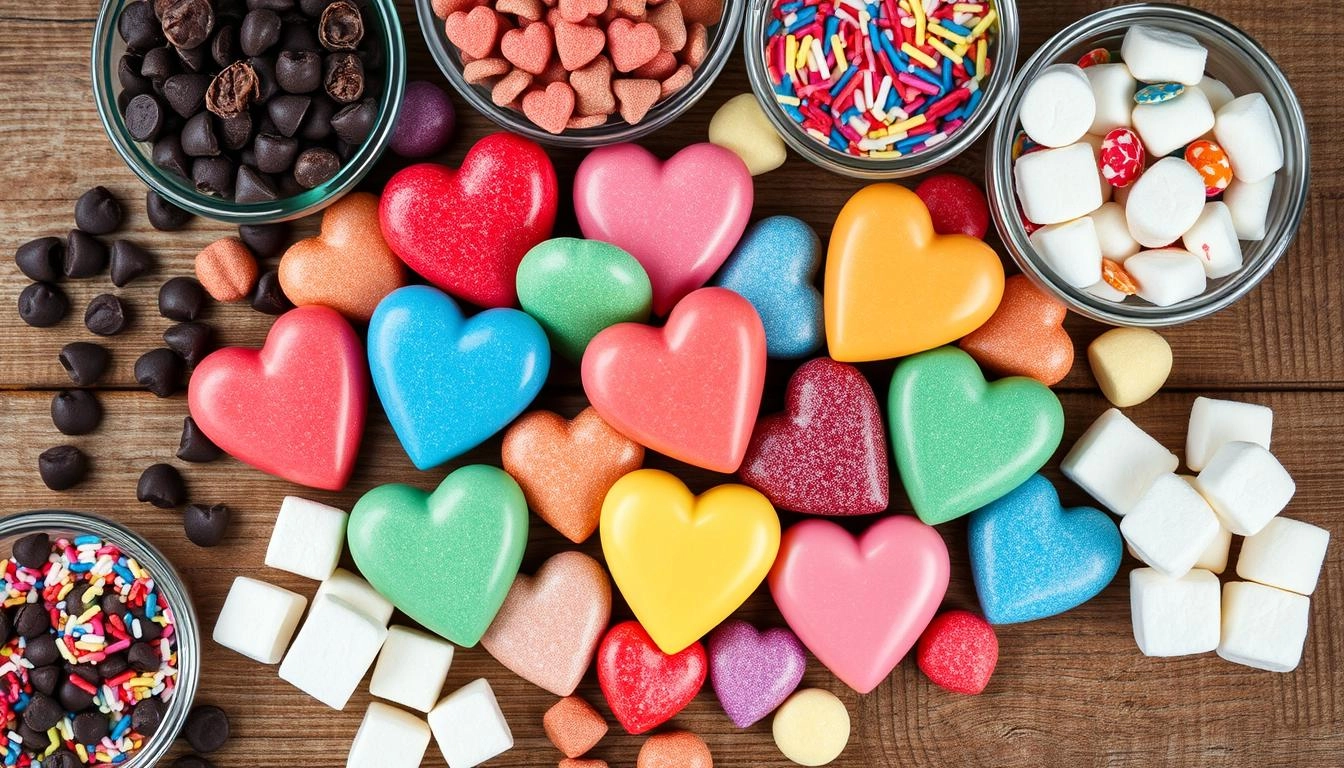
[[753, 671], [958, 652], [644, 686], [1025, 336], [347, 266], [294, 408]]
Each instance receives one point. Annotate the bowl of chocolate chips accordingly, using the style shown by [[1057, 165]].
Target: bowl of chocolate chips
[[249, 111]]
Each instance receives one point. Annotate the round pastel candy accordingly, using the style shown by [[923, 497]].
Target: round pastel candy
[[958, 651], [812, 727], [425, 125], [1158, 93], [1122, 157], [1212, 163], [956, 204]]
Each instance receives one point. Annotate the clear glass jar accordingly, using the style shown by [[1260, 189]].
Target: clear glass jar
[[383, 24], [1235, 59], [188, 632]]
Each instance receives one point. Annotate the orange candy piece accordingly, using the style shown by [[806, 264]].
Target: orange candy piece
[[573, 726], [347, 266], [570, 762], [1025, 336], [1115, 276], [1214, 167], [227, 269], [680, 749]]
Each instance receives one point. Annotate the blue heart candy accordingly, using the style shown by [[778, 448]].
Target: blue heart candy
[[773, 267], [1031, 558], [448, 383]]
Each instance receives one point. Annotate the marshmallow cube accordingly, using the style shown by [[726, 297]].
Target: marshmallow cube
[[1216, 91], [1286, 554], [411, 668], [307, 538], [1170, 526], [1167, 276], [388, 738], [1113, 90], [358, 593], [1263, 627], [1214, 556], [1164, 202], [1116, 462], [1070, 249], [1106, 292], [469, 727], [1249, 206], [1113, 233], [1157, 55], [1215, 422], [334, 649], [1246, 131], [1058, 106], [1167, 126], [1059, 185], [1175, 616], [1095, 143], [258, 619], [1213, 238], [1246, 486]]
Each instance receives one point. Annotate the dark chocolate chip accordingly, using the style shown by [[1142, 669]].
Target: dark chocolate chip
[[205, 526], [186, 93], [161, 485], [85, 255], [194, 59], [45, 679], [233, 90], [42, 305], [298, 71], [128, 261], [138, 27], [143, 657], [158, 65], [264, 68], [147, 716], [31, 620], [343, 77], [299, 35], [279, 6], [75, 412], [253, 187], [287, 112], [42, 712], [193, 341], [188, 23], [267, 241], [98, 212], [144, 117], [353, 123], [169, 155], [268, 297], [73, 697], [235, 132], [32, 551], [192, 761], [41, 650], [340, 28], [106, 315], [111, 666], [207, 728], [90, 727], [259, 31], [275, 153], [317, 123], [128, 75], [194, 446], [62, 758], [224, 48], [198, 136], [149, 631], [6, 629], [159, 371], [62, 467], [77, 599], [313, 8], [111, 604], [213, 176], [84, 361], [181, 298], [163, 215], [315, 166], [40, 259]]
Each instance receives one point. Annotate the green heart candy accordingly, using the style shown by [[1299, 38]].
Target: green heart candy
[[446, 559], [962, 442], [576, 288]]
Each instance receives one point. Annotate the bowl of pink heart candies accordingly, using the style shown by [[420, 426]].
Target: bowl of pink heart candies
[[1150, 166]]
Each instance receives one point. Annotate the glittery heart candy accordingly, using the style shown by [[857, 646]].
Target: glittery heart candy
[[773, 267], [958, 652], [632, 44], [577, 10], [578, 44], [550, 108], [1122, 157], [348, 265], [1025, 336], [644, 686], [474, 31], [294, 408], [529, 48], [753, 672]]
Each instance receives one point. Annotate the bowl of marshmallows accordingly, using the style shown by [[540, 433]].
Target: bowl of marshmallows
[[1150, 166]]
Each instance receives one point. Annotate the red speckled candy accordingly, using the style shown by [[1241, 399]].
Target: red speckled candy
[[644, 686], [826, 453], [1122, 156], [958, 651], [1024, 337], [466, 229], [956, 204]]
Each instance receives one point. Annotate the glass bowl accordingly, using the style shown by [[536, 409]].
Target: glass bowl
[[382, 23], [722, 36], [1235, 59], [1003, 51], [188, 632]]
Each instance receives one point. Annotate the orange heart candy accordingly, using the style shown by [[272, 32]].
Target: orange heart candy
[[565, 468], [1025, 336], [348, 265], [894, 287]]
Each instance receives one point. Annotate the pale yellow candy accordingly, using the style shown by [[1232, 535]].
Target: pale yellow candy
[[812, 727], [1130, 364], [740, 125]]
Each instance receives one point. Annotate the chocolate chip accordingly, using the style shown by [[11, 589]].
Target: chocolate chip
[[113, 665], [343, 77], [181, 298], [192, 761], [84, 361], [235, 132], [315, 166], [213, 176], [78, 598], [6, 629], [265, 71], [198, 136], [149, 631], [194, 446], [169, 155], [275, 153], [142, 656], [299, 35], [314, 8], [158, 65], [188, 23], [353, 122], [193, 341], [233, 90], [259, 31], [73, 697], [128, 75], [42, 305], [63, 467], [317, 123], [31, 620], [85, 255], [98, 212], [40, 259], [105, 315], [279, 6], [45, 679], [159, 371], [128, 261], [268, 297], [253, 187], [205, 526], [138, 27], [111, 604], [298, 71], [267, 241], [287, 112], [185, 94], [163, 215], [207, 728], [161, 485], [41, 650], [61, 758], [224, 48], [90, 727], [147, 716], [32, 551], [341, 28], [144, 117], [75, 412], [42, 712]]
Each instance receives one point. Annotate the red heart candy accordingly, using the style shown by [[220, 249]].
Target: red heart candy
[[644, 686], [690, 389], [632, 45], [956, 205], [578, 44], [958, 651], [826, 454], [474, 32], [1025, 336], [295, 407], [529, 48], [466, 229]]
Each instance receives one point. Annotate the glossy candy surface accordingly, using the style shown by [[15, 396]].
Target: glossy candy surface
[[644, 686], [347, 266], [1024, 337], [956, 204], [958, 651], [774, 266]]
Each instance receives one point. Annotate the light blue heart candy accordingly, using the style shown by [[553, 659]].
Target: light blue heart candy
[[773, 267], [448, 383], [1031, 558]]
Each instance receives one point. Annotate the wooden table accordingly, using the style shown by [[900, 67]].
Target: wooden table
[[1072, 690]]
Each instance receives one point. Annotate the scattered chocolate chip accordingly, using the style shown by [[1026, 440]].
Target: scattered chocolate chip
[[90, 727], [41, 650], [45, 679], [159, 371], [213, 176], [73, 697], [112, 604], [98, 212], [161, 485], [314, 8], [253, 186], [340, 28], [268, 297], [267, 241], [298, 71], [343, 77], [75, 412], [31, 620], [185, 93], [353, 122], [169, 155], [114, 664], [40, 259], [158, 65], [138, 27], [299, 35], [105, 315], [128, 261], [85, 255], [128, 75], [32, 551], [235, 132], [42, 712], [62, 467], [181, 298], [192, 761], [259, 31], [205, 527], [42, 305], [194, 446], [143, 657], [315, 166], [207, 728], [193, 341], [84, 361], [144, 117], [279, 6], [198, 136], [5, 630], [187, 24], [148, 716], [233, 90], [287, 112], [163, 215]]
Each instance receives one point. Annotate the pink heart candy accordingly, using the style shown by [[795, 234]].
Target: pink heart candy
[[578, 10], [551, 108], [578, 44], [632, 44], [529, 48], [474, 32]]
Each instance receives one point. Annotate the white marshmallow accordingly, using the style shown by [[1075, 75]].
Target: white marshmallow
[[1246, 131], [1167, 276], [307, 538], [333, 650], [411, 668], [258, 619], [1249, 206], [1287, 554], [1113, 90], [388, 738], [1216, 91], [1214, 422], [1263, 627], [1164, 202], [1113, 233], [1246, 486], [357, 592], [1175, 616], [1095, 143], [469, 727], [1170, 526], [1116, 462], [1071, 250], [1170, 125], [1157, 55], [1057, 185], [1213, 238], [1214, 556], [1057, 107], [1103, 290]]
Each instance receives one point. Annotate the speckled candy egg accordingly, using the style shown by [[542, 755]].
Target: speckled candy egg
[[1211, 161], [425, 125], [1121, 159]]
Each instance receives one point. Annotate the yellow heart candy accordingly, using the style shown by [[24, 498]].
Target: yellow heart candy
[[894, 287], [683, 563]]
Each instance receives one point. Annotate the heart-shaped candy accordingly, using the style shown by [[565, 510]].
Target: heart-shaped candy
[[295, 407], [680, 218], [644, 686], [578, 10], [449, 383], [1025, 336], [894, 287], [466, 229], [566, 467], [632, 45], [690, 389], [684, 564], [753, 672], [550, 107], [445, 559], [578, 44], [826, 454], [474, 31], [528, 48], [1031, 558], [348, 265], [962, 442], [741, 125], [773, 267], [956, 204], [860, 604], [549, 626], [958, 651]]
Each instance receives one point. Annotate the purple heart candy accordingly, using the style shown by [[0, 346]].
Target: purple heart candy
[[753, 672]]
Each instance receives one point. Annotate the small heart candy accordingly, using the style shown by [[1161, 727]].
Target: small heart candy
[[592, 88], [551, 108], [348, 265], [474, 32], [632, 44], [1025, 336], [644, 686], [636, 97], [529, 48], [667, 19], [958, 652], [575, 11], [753, 672], [773, 267], [527, 9], [578, 44]]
